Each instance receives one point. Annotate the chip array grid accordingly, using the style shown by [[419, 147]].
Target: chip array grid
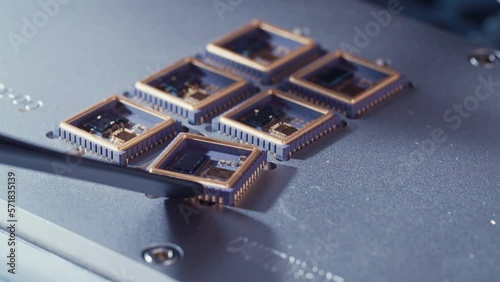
[[281, 135]]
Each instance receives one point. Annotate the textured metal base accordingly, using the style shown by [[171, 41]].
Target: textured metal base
[[401, 194]]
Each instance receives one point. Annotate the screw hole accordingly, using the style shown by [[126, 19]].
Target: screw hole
[[209, 128], [50, 135], [185, 129], [270, 166], [343, 123], [163, 255], [485, 57]]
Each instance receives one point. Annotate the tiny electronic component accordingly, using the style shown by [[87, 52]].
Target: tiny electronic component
[[117, 129], [193, 89], [216, 164], [262, 52], [347, 83], [190, 162], [219, 173], [277, 122]]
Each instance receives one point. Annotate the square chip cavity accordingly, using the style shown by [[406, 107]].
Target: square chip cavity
[[277, 122], [225, 169], [347, 83], [262, 52], [117, 129], [193, 89]]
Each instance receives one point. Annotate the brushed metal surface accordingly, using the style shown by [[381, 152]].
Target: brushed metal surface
[[359, 205]]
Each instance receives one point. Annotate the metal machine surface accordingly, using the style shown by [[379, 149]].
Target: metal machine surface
[[408, 192]]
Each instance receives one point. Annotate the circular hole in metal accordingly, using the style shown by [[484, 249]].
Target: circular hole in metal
[[50, 135], [485, 57], [270, 166], [343, 123], [127, 94], [165, 254], [209, 128], [185, 129]]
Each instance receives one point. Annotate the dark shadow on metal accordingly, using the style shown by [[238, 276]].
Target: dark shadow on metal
[[20, 154]]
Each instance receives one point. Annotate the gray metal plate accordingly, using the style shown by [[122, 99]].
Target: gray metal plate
[[360, 205]]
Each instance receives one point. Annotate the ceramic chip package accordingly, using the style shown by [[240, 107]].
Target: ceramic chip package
[[277, 122], [192, 89], [262, 52], [117, 129], [225, 169], [347, 83]]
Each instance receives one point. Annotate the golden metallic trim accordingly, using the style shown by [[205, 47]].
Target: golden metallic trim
[[254, 154], [67, 124], [217, 48], [227, 117], [144, 86], [298, 77]]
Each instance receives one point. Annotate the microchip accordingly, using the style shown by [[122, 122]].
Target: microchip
[[277, 122], [283, 130], [178, 84], [117, 129], [257, 45], [193, 89], [347, 77], [190, 162], [346, 83], [335, 78], [262, 116], [213, 163], [219, 173], [262, 52], [123, 135], [199, 95]]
